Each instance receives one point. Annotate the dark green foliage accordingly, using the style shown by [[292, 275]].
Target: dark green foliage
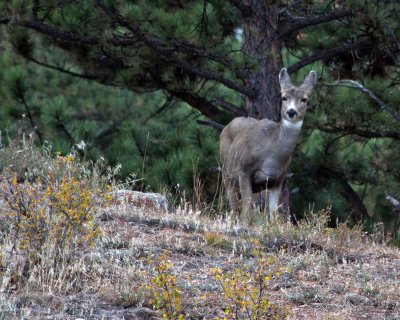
[[130, 79], [156, 139]]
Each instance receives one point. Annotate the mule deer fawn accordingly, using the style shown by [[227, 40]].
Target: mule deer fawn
[[255, 154]]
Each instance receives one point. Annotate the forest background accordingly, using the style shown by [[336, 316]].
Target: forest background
[[148, 85]]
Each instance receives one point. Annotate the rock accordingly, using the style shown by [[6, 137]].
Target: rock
[[145, 200], [140, 313], [357, 299]]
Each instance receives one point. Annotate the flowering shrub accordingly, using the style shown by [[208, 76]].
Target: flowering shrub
[[162, 290], [245, 290], [56, 215]]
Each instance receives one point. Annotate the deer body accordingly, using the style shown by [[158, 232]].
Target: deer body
[[255, 154]]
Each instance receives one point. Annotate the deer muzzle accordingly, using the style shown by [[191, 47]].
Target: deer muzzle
[[291, 113]]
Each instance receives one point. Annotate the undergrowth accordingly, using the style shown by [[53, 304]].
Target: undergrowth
[[161, 289], [244, 290], [62, 235], [48, 215]]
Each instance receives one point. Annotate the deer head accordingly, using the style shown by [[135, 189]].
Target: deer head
[[295, 99]]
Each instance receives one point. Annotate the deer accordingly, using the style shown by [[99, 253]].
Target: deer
[[255, 154]]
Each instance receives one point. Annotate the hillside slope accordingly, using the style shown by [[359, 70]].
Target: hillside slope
[[324, 273]]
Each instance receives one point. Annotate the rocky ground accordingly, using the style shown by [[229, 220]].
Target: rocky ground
[[328, 273]]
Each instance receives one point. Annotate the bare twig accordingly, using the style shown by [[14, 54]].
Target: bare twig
[[53, 67], [164, 106], [30, 115], [358, 86]]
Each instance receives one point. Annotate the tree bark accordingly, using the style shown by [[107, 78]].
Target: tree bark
[[263, 45]]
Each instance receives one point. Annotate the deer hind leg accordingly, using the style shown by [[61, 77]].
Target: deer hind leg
[[246, 194]]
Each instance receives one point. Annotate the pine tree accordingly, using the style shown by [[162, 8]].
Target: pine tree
[[223, 57]]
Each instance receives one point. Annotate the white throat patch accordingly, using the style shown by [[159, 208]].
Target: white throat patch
[[290, 125]]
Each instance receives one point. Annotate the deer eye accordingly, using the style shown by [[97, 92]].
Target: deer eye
[[284, 99], [304, 100]]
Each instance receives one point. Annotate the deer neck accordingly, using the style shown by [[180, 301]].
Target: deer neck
[[289, 132]]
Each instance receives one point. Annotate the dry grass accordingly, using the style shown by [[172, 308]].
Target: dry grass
[[329, 273], [332, 274]]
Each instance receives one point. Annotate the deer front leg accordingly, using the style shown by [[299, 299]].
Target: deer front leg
[[231, 194], [246, 194], [273, 201]]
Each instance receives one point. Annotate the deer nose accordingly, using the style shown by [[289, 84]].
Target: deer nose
[[291, 113]]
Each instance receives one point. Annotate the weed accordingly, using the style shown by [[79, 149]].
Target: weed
[[50, 221], [217, 240], [162, 290], [246, 289], [305, 296], [21, 158]]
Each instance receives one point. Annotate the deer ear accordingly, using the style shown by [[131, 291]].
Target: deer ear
[[284, 78], [310, 80]]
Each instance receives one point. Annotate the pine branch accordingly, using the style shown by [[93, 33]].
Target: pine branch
[[5, 20], [62, 70], [290, 5], [169, 54], [243, 6], [358, 86], [67, 36], [206, 107], [107, 131], [364, 133], [35, 9], [297, 23], [230, 107], [61, 127], [329, 53], [359, 212], [200, 51], [211, 123], [56, 32], [164, 106]]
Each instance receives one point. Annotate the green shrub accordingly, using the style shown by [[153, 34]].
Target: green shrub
[[245, 289], [161, 288]]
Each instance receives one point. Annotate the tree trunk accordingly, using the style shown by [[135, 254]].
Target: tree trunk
[[263, 44]]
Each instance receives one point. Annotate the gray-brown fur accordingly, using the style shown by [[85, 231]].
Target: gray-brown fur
[[255, 154]]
